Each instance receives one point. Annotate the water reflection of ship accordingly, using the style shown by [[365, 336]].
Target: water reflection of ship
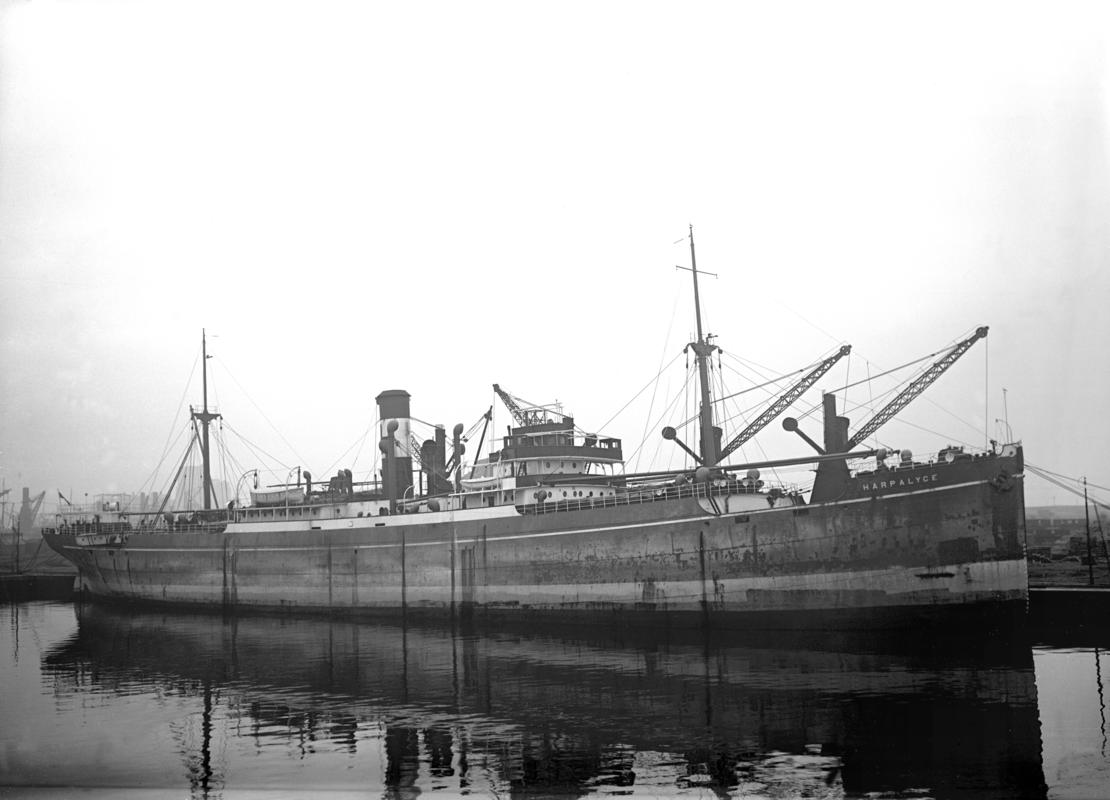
[[525, 712]]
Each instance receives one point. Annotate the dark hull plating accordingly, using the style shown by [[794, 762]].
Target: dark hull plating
[[932, 538]]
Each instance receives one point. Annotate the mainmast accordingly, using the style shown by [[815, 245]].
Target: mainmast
[[702, 351], [204, 417]]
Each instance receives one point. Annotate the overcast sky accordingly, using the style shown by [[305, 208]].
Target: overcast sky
[[361, 196]]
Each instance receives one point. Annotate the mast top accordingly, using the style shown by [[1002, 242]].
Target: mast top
[[205, 417], [710, 441]]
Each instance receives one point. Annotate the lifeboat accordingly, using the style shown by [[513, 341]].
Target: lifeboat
[[476, 484], [277, 497]]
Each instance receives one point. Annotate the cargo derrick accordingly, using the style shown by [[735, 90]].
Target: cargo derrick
[[783, 402], [533, 415], [831, 481], [920, 384]]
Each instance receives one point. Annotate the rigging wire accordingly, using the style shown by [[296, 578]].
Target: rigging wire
[[758, 369], [951, 439], [686, 408], [173, 424], [654, 380], [873, 400], [948, 348], [806, 321], [1045, 476], [679, 394], [152, 478], [883, 374], [693, 418], [870, 390], [262, 413], [847, 374], [362, 443], [1066, 477], [224, 478], [986, 392], [766, 457], [256, 449], [359, 441]]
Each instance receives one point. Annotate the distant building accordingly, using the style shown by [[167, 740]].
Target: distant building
[[1059, 531], [189, 492]]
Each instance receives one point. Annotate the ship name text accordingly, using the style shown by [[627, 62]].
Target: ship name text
[[899, 483]]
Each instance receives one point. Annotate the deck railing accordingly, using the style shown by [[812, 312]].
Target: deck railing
[[643, 495], [87, 528], [633, 496]]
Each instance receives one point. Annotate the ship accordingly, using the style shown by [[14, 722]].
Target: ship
[[550, 525]]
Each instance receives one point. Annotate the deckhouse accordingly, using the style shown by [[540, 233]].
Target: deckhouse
[[546, 457]]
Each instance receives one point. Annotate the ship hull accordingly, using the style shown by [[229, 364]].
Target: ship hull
[[947, 546]]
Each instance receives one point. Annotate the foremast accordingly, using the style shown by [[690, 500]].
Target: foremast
[[703, 350], [204, 417]]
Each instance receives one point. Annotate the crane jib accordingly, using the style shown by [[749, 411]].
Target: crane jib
[[920, 384], [784, 401]]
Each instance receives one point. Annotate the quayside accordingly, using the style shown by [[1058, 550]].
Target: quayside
[[548, 522]]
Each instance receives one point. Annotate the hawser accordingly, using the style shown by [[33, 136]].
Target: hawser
[[550, 524]]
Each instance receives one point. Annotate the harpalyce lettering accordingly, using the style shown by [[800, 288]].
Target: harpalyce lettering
[[912, 480]]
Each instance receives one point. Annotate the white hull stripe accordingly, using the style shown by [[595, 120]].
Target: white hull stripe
[[509, 538]]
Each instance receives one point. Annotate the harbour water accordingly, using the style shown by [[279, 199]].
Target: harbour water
[[165, 704]]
